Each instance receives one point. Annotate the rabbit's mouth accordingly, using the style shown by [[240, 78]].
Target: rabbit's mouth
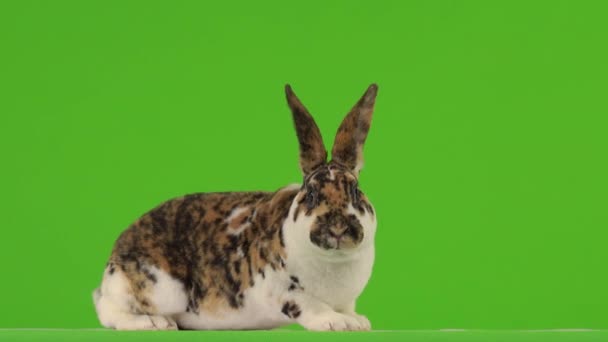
[[340, 242], [329, 239]]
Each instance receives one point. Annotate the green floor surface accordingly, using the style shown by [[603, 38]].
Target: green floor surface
[[269, 336]]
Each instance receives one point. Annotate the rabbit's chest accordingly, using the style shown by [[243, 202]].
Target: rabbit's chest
[[337, 284]]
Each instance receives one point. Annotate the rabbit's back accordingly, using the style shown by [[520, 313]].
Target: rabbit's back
[[210, 247]]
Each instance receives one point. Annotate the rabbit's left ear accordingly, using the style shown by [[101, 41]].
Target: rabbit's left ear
[[312, 150], [348, 146]]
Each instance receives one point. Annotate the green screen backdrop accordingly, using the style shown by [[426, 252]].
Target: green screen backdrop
[[486, 160]]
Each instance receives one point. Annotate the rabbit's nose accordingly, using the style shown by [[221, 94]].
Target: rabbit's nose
[[338, 231]]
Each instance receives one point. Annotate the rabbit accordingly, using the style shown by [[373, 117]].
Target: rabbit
[[254, 260]]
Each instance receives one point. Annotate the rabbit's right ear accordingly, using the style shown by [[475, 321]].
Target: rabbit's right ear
[[348, 146], [312, 150]]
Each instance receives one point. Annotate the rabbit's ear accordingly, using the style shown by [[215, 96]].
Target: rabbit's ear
[[348, 146], [312, 150]]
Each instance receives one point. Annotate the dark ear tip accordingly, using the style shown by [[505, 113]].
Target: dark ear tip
[[373, 88], [370, 95], [288, 90]]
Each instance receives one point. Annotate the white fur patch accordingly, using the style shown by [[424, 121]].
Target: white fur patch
[[112, 299], [113, 302], [168, 294], [234, 214], [239, 229]]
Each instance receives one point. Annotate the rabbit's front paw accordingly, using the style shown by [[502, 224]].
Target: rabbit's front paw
[[333, 321], [363, 321]]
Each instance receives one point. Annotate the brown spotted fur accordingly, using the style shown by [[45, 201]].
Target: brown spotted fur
[[188, 237]]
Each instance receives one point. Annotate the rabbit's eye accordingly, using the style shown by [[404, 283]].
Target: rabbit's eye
[[311, 198], [354, 192]]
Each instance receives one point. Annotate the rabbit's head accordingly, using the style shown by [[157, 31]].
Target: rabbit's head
[[330, 211]]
